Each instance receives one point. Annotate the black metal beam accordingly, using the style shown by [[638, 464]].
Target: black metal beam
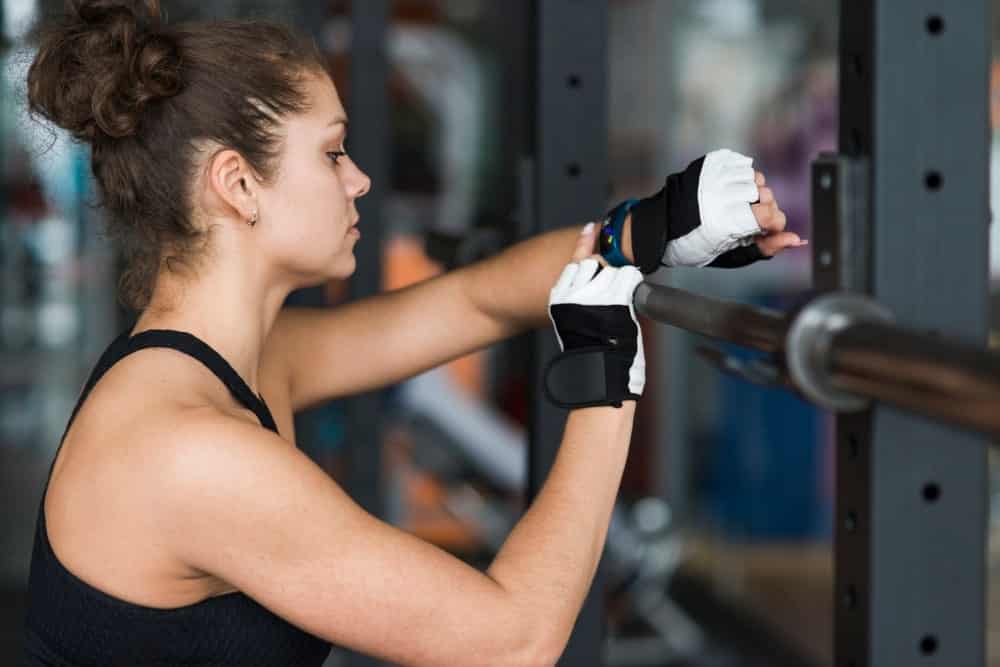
[[370, 149], [369, 104], [570, 183], [911, 496]]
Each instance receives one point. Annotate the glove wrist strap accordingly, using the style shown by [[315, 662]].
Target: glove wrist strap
[[562, 385], [669, 214]]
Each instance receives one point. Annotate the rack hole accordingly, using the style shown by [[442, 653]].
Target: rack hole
[[931, 492], [850, 598], [929, 645], [933, 180], [853, 447], [856, 141], [857, 65], [574, 81], [935, 24], [573, 170], [851, 522]]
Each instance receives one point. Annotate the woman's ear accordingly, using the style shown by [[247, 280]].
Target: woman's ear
[[232, 184]]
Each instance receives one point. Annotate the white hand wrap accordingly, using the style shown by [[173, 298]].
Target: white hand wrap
[[726, 188], [599, 335]]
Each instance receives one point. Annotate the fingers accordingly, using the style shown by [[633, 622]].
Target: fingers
[[769, 217], [583, 265], [734, 175], [587, 279], [772, 244], [759, 179], [745, 191], [566, 279], [626, 280], [766, 195], [585, 243], [732, 158], [588, 268], [603, 280]]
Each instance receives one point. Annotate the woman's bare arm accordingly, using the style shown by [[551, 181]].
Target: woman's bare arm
[[374, 342], [326, 353], [241, 504]]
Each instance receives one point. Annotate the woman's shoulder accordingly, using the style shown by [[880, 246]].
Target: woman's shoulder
[[154, 390], [133, 447], [143, 409], [121, 478]]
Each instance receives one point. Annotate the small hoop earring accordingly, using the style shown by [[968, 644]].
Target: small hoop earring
[[253, 220]]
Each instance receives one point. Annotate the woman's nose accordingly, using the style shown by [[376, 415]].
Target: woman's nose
[[360, 183]]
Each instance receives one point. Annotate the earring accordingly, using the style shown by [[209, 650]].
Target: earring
[[253, 219]]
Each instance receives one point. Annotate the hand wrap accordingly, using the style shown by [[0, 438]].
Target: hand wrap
[[599, 336], [701, 217]]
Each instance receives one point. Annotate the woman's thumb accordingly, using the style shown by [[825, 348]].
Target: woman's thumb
[[585, 243]]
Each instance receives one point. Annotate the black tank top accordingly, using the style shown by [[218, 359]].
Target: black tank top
[[71, 623]]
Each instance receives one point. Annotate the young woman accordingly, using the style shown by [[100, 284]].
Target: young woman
[[180, 524]]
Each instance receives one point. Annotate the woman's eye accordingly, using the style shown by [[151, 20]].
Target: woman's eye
[[334, 155]]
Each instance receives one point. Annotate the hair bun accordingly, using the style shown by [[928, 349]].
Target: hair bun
[[97, 69], [156, 66]]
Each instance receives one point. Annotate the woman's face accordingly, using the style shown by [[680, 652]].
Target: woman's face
[[308, 212]]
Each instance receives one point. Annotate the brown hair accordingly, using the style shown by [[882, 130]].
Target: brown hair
[[148, 98]]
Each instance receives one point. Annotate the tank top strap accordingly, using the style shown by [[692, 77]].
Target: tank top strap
[[106, 361], [195, 347], [189, 344]]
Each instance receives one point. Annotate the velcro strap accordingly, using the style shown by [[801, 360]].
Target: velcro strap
[[579, 379], [671, 213]]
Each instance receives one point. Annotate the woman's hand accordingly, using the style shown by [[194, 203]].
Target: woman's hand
[[601, 360], [585, 244], [717, 212], [771, 219]]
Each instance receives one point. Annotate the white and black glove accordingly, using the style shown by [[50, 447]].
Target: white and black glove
[[594, 318], [701, 217]]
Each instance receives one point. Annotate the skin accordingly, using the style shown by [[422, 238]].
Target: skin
[[167, 491]]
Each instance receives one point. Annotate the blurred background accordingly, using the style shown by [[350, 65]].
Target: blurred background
[[720, 551]]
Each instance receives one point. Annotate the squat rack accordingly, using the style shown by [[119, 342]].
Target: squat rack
[[841, 351], [900, 250], [900, 245], [900, 235]]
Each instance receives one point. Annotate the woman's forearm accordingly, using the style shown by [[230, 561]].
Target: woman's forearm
[[513, 286], [548, 561]]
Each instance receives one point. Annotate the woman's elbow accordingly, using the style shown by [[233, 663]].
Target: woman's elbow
[[538, 645]]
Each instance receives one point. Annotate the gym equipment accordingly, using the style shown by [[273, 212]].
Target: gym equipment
[[842, 350]]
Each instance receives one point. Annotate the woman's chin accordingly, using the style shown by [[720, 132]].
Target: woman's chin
[[340, 267], [344, 266]]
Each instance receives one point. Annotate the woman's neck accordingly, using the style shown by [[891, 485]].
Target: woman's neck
[[231, 310]]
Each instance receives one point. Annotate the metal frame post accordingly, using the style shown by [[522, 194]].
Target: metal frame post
[[911, 495], [570, 186], [369, 117], [369, 130]]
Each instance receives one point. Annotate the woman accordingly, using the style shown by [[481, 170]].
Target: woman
[[180, 524]]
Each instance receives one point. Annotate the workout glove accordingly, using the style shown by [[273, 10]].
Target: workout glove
[[594, 318], [701, 217]]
